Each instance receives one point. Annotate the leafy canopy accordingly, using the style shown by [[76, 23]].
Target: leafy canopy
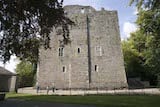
[[133, 58], [149, 29], [145, 4], [149, 24], [25, 74], [148, 16], [26, 24]]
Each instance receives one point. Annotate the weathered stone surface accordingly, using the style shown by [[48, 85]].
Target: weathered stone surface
[[106, 59]]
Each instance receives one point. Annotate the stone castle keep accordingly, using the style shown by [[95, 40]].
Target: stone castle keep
[[93, 59]]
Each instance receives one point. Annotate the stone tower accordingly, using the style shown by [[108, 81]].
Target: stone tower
[[94, 57]]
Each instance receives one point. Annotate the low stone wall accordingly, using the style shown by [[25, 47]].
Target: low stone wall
[[31, 90]]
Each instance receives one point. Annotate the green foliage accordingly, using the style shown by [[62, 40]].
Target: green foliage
[[146, 4], [26, 24], [136, 53], [148, 22], [133, 65], [25, 74], [148, 16]]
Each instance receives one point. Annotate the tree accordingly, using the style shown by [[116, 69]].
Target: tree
[[146, 4], [130, 58], [25, 74], [149, 25], [25, 25], [148, 16], [135, 51], [133, 57]]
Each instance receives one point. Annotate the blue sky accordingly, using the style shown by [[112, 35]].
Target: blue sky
[[127, 17]]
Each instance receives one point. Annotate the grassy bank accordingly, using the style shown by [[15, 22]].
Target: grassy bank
[[99, 100]]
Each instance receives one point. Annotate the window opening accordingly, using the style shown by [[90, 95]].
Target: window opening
[[61, 51], [79, 50], [64, 69], [98, 50], [96, 68]]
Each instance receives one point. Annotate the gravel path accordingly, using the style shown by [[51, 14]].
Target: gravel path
[[23, 103]]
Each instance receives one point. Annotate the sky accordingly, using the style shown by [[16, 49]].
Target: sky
[[127, 14], [127, 17]]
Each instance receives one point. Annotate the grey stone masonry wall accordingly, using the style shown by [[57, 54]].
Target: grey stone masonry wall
[[93, 59]]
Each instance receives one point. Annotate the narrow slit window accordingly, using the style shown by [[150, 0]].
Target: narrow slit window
[[96, 68], [64, 69], [59, 51], [79, 50], [62, 51]]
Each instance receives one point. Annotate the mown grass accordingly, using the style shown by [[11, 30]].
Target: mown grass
[[98, 100]]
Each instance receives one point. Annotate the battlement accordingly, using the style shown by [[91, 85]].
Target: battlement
[[79, 9]]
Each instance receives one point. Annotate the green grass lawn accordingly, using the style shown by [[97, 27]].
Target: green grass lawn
[[99, 100]]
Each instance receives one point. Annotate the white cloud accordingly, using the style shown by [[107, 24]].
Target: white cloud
[[11, 65], [135, 11], [128, 27]]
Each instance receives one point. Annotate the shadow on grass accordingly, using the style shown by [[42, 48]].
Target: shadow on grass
[[98, 100]]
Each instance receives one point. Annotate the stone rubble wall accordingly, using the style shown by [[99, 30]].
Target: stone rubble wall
[[104, 33]]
